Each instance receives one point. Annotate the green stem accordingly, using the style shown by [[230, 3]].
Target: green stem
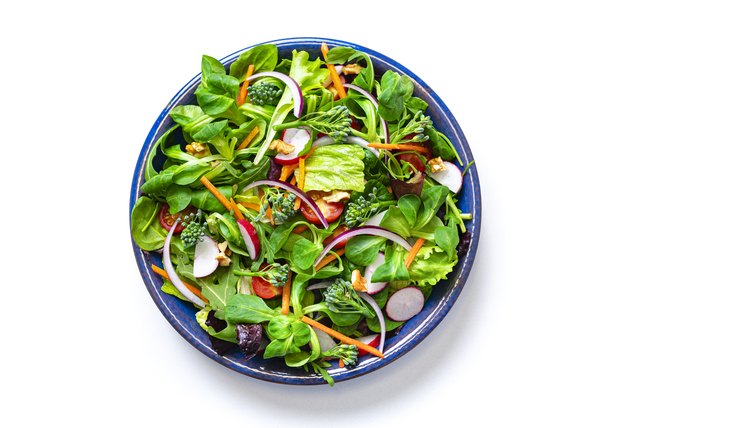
[[287, 125]]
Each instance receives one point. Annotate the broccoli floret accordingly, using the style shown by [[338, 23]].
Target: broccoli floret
[[264, 93], [194, 230], [281, 204], [276, 274], [361, 208], [417, 125], [334, 122], [342, 298], [348, 353]]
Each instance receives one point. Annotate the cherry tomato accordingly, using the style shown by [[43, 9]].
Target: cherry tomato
[[412, 159], [331, 211], [167, 220], [264, 289], [336, 232]]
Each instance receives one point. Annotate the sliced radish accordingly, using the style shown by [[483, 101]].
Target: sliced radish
[[451, 177], [298, 138], [372, 340], [299, 100], [374, 287], [326, 342], [379, 313], [376, 219], [404, 304], [251, 238], [172, 274], [205, 262]]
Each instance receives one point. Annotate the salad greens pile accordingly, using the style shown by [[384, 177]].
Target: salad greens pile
[[303, 221]]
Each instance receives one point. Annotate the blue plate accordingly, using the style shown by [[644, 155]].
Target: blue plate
[[182, 315]]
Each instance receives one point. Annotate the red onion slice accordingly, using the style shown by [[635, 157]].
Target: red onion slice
[[297, 192], [167, 262], [299, 101], [326, 140], [363, 230], [378, 313], [383, 123]]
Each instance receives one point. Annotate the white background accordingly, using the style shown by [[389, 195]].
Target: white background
[[611, 286]]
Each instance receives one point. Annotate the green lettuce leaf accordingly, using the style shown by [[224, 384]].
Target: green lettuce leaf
[[335, 167], [430, 266]]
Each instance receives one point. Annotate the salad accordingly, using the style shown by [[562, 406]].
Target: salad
[[305, 206]]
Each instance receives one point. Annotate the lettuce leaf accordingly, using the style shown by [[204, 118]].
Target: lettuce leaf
[[430, 266], [335, 167]]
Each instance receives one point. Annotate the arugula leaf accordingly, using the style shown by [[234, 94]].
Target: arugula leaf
[[244, 308], [263, 58], [362, 250], [395, 90], [219, 287], [144, 224]]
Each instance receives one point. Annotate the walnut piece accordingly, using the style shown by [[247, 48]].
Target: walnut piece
[[436, 165], [281, 146]]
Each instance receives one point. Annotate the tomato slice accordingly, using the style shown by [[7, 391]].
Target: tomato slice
[[412, 159], [331, 211], [264, 289], [336, 232], [167, 220]]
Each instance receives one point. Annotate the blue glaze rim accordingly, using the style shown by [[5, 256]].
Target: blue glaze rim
[[181, 314]]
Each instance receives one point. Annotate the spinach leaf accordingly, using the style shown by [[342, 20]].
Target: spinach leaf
[[279, 236], [244, 308], [304, 253], [161, 142], [212, 103], [393, 269], [280, 327], [209, 131], [158, 184], [263, 58], [396, 89], [223, 84], [189, 173], [409, 207], [185, 114], [395, 221], [178, 198], [446, 237], [144, 224], [432, 198], [297, 359], [204, 200], [279, 348], [209, 66], [339, 54], [440, 144], [362, 250], [415, 104]]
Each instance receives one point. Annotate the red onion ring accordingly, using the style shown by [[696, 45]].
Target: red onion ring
[[363, 230], [297, 192]]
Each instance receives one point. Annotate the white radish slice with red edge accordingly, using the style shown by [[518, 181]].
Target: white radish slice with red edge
[[376, 219], [250, 236], [374, 287], [404, 304], [372, 340], [451, 177], [205, 262], [296, 137], [172, 274], [325, 341]]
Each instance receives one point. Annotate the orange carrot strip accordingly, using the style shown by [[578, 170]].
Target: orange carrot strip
[[413, 253], [162, 273], [346, 339], [340, 91], [252, 206], [329, 258], [286, 171], [237, 213], [286, 293], [341, 363], [269, 215], [293, 181], [299, 229], [243, 89], [419, 149], [301, 173], [214, 191], [250, 136]]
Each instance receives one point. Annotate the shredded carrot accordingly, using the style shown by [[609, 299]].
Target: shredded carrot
[[419, 149], [286, 171], [250, 136], [329, 258], [162, 273], [293, 181], [243, 90], [252, 206], [301, 173], [286, 293], [299, 229], [214, 191], [340, 91], [269, 215], [413, 253], [341, 363], [237, 213], [346, 339]]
